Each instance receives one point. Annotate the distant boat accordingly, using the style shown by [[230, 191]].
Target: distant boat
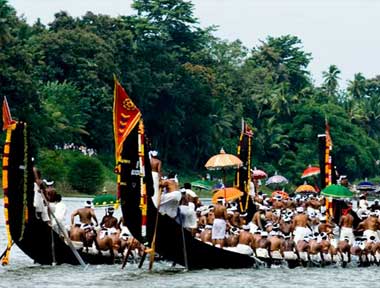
[[33, 236]]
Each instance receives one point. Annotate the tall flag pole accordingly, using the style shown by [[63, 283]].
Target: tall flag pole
[[328, 158], [143, 198]]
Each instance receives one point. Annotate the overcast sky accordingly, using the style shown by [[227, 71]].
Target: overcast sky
[[340, 32]]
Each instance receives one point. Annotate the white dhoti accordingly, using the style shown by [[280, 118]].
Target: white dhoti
[[189, 216], [303, 256], [346, 232], [243, 249], [253, 227], [262, 253], [156, 186], [290, 255], [276, 254], [369, 233], [169, 203], [38, 203], [300, 233], [218, 229]]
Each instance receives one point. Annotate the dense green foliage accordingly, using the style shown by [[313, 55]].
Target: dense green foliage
[[193, 89], [86, 175]]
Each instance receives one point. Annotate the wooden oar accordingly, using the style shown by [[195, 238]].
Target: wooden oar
[[68, 240], [5, 251], [183, 240], [129, 251], [153, 244]]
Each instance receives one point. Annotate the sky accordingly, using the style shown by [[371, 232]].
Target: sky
[[340, 32]]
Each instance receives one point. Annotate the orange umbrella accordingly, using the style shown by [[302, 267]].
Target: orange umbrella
[[305, 188], [229, 193], [310, 171], [283, 194]]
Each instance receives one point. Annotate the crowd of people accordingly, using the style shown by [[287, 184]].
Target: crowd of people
[[298, 228]]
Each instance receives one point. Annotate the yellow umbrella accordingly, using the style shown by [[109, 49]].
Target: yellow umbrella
[[229, 194], [305, 188]]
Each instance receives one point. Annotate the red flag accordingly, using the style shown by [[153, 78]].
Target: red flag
[[125, 117], [7, 118]]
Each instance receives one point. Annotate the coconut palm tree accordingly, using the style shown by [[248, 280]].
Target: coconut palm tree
[[330, 80]]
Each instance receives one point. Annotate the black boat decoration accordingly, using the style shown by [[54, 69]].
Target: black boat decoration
[[169, 239]]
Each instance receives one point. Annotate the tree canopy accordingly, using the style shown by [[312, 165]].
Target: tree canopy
[[192, 87]]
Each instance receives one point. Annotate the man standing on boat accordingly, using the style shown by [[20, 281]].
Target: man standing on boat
[[155, 164], [219, 225], [300, 225], [171, 195]]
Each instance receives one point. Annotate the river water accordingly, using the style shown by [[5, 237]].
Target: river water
[[21, 272]]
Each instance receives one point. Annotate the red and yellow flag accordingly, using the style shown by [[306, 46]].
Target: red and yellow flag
[[125, 117], [7, 118]]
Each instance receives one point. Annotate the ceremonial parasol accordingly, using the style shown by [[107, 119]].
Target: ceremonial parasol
[[310, 171], [337, 191], [258, 174], [229, 194], [305, 188], [222, 161], [276, 179], [283, 194]]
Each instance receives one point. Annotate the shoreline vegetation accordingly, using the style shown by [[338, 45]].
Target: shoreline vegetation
[[192, 87]]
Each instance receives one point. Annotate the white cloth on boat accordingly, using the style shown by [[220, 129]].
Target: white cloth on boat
[[218, 229], [189, 216], [300, 232], [169, 203], [252, 227], [242, 249], [156, 186], [347, 232], [303, 256]]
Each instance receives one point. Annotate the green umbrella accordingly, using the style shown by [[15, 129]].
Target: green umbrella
[[337, 191], [203, 184], [104, 200]]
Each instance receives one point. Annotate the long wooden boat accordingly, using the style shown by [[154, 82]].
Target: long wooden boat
[[33, 236], [172, 242]]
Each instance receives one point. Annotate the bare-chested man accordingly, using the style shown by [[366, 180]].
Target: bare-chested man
[[303, 248], [325, 226], [109, 221], [370, 226], [276, 245], [289, 248], [285, 225], [233, 238], [344, 248], [219, 225], [263, 249], [326, 248], [86, 214], [346, 228], [206, 234], [300, 225], [155, 164], [245, 241], [259, 219]]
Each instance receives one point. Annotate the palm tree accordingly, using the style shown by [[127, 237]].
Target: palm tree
[[330, 80], [357, 87]]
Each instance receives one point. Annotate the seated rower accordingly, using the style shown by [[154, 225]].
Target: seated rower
[[263, 246], [276, 245], [109, 221], [171, 197], [86, 214], [245, 241], [205, 235]]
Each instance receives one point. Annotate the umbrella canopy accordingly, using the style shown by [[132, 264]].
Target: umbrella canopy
[[229, 193], [258, 174], [305, 188], [104, 200], [310, 171], [281, 193], [203, 184], [222, 161], [366, 185], [337, 191], [276, 179]]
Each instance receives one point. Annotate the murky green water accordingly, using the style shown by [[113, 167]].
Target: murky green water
[[23, 273]]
